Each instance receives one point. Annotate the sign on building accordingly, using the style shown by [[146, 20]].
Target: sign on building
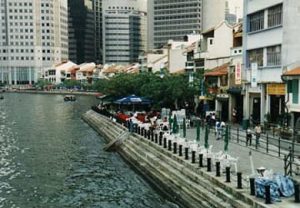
[[276, 89], [253, 74], [238, 74]]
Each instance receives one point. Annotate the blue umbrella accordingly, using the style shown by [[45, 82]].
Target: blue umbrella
[[133, 99]]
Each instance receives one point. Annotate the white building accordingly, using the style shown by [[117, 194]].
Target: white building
[[34, 35], [270, 34], [124, 31], [58, 73]]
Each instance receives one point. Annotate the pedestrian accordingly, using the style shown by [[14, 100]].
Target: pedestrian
[[218, 128], [257, 130], [248, 137], [234, 115]]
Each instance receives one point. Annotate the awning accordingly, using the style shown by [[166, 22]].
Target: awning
[[234, 90]]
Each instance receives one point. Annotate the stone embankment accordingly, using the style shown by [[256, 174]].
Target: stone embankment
[[182, 181]]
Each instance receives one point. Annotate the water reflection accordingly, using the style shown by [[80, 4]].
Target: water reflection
[[50, 158]]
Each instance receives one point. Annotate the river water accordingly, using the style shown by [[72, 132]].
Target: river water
[[50, 158]]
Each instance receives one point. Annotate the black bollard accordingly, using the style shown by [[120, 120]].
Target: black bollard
[[146, 134], [227, 175], [139, 130], [152, 135], [208, 164], [165, 142], [218, 172], [239, 180], [180, 150], [170, 145], [161, 134], [297, 192], [160, 141], [252, 186], [135, 128], [186, 152], [142, 132], [149, 134], [201, 160], [268, 194], [175, 147], [193, 157]]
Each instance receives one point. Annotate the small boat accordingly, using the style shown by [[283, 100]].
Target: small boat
[[69, 98], [1, 97]]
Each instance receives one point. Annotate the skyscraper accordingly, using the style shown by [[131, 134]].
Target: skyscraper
[[173, 19], [124, 26], [85, 31], [34, 35]]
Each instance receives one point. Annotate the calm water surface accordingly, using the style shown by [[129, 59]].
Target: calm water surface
[[50, 158]]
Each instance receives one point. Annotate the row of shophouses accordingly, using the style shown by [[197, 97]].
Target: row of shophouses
[[252, 68]]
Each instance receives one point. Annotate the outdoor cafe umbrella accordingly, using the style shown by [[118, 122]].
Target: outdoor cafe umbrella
[[132, 100], [206, 137], [184, 128], [198, 130], [175, 125], [226, 139]]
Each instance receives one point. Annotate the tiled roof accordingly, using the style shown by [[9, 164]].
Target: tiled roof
[[293, 72], [218, 71]]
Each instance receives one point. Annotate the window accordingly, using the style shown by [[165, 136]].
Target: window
[[275, 16], [274, 56], [255, 56], [293, 87], [256, 21]]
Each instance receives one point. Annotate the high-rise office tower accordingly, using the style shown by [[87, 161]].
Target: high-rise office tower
[[82, 31], [85, 31], [170, 19], [124, 31], [34, 35]]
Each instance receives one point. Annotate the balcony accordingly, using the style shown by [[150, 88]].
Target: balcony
[[189, 66]]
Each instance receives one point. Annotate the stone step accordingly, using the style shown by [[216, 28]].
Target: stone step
[[175, 176]]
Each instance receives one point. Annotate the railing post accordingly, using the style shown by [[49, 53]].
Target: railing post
[[149, 134], [285, 168], [152, 135], [291, 161], [297, 192], [160, 138], [227, 175], [175, 147], [201, 160], [239, 180], [279, 146], [208, 164], [165, 142], [252, 186], [169, 145], [267, 146], [238, 135], [268, 194], [180, 150], [186, 151], [193, 156], [218, 172]]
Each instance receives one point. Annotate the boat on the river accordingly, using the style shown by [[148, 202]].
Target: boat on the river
[[1, 97], [69, 98]]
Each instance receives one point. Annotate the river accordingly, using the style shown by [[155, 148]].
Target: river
[[50, 158]]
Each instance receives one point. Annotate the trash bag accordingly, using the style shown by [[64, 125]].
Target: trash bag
[[260, 184], [285, 184]]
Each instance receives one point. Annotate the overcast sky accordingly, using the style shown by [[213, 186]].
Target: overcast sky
[[236, 7]]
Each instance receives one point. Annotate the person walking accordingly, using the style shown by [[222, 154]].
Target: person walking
[[257, 130], [248, 137]]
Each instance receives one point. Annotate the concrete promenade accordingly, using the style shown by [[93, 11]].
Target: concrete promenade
[[240, 151]]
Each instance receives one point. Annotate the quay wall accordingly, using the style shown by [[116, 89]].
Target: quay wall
[[180, 180], [55, 92]]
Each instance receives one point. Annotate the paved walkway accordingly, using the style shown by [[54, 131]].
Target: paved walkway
[[244, 165], [242, 152]]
